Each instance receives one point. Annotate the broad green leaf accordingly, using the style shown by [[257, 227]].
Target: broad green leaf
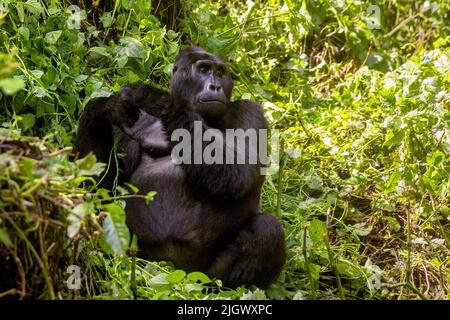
[[114, 209], [132, 48], [24, 32], [97, 169], [11, 85], [52, 36], [258, 294], [176, 276], [76, 217], [437, 158], [28, 121], [317, 231], [103, 51], [39, 92], [393, 224], [104, 193], [87, 162], [300, 295], [34, 6], [102, 92], [115, 230], [27, 167], [192, 287], [133, 188], [361, 229], [37, 73], [159, 281], [106, 19], [81, 78], [384, 205], [197, 277], [392, 182], [394, 138]]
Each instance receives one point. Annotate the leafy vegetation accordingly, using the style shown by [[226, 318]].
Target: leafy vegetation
[[362, 102]]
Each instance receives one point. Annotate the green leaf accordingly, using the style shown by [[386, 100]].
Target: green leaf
[[192, 287], [122, 61], [103, 51], [436, 159], [392, 182], [106, 19], [11, 85], [76, 217], [27, 167], [132, 48], [87, 162], [28, 121], [258, 294], [4, 237], [384, 205], [394, 138], [115, 230], [197, 276], [52, 36], [24, 32], [102, 92], [37, 73], [34, 6], [114, 208], [95, 170], [133, 188], [393, 224], [361, 229], [158, 281], [39, 92], [104, 194], [317, 232], [176, 276], [149, 197]]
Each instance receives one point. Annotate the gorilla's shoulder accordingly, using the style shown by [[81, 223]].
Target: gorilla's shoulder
[[247, 114]]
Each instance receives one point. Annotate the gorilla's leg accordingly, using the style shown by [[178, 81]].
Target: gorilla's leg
[[255, 256]]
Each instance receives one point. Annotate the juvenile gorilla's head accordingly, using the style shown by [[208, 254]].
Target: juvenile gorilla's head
[[201, 79]]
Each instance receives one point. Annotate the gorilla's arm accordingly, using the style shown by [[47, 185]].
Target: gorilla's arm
[[95, 127], [219, 181], [103, 121]]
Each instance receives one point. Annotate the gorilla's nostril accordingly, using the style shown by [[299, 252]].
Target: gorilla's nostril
[[213, 87]]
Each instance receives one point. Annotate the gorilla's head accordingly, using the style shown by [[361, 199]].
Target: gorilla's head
[[201, 79]]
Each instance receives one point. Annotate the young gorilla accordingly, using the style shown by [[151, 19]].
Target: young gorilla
[[204, 217]]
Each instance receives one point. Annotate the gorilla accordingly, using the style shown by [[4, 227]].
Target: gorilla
[[205, 216]]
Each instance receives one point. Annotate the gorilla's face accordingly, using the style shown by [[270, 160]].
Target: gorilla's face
[[202, 80]]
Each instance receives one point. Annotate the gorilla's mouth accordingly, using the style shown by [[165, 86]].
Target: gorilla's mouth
[[211, 101]]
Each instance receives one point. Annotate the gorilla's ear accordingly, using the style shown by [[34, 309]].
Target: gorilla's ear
[[175, 68]]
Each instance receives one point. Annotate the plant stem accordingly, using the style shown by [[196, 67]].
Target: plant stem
[[133, 252], [280, 177], [305, 255], [334, 266]]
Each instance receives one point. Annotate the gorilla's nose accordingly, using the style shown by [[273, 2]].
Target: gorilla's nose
[[214, 87]]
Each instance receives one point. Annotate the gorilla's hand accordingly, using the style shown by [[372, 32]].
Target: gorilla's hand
[[118, 114], [151, 100]]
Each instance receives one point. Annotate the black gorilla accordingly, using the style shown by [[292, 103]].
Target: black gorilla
[[204, 217]]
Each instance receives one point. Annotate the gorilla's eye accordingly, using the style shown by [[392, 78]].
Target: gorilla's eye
[[203, 68], [220, 71]]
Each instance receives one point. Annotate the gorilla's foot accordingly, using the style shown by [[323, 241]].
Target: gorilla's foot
[[256, 255]]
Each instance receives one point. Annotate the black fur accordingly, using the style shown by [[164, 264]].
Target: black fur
[[205, 216]]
